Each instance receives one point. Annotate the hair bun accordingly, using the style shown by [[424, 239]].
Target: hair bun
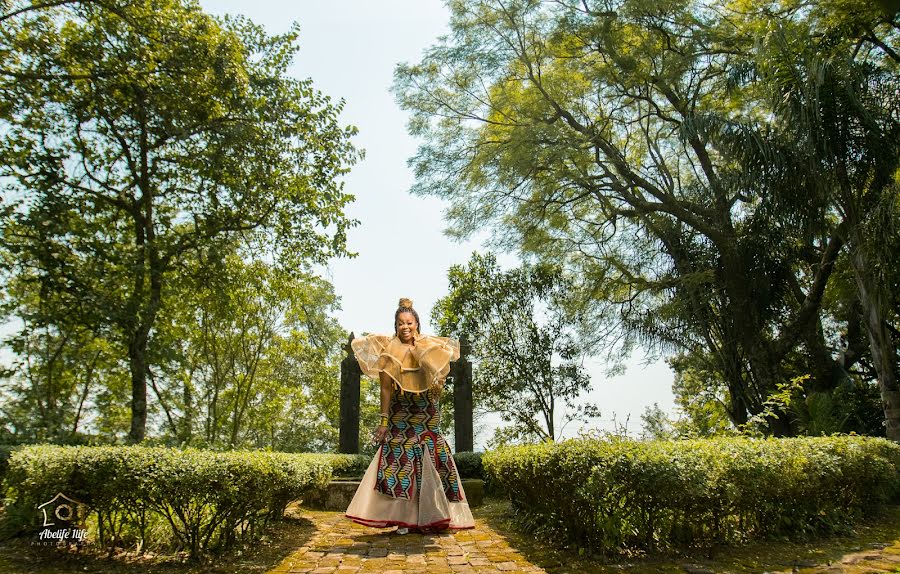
[[405, 303]]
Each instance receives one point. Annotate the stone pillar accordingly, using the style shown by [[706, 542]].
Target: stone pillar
[[462, 400], [349, 423]]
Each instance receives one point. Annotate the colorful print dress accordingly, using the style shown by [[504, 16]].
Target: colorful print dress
[[412, 480]]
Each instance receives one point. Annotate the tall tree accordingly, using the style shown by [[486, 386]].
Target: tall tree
[[57, 369], [610, 136], [245, 355], [526, 353], [831, 72], [137, 132]]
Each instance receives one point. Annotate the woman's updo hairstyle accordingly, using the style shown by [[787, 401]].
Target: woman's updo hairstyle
[[405, 306]]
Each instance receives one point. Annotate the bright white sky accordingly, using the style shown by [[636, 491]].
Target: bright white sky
[[349, 49]]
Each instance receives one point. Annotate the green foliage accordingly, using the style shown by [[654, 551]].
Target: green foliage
[[141, 141], [812, 409], [697, 168], [469, 464], [5, 453], [62, 379], [859, 404], [819, 415], [830, 76], [701, 397], [244, 356], [209, 500], [348, 465], [248, 358], [611, 495], [523, 343], [656, 424], [783, 399], [852, 407]]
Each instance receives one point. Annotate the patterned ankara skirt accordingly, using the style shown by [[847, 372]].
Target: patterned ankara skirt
[[412, 479]]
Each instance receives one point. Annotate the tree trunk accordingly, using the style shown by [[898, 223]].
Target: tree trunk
[[872, 300], [137, 359], [137, 355], [187, 423], [144, 304], [737, 406], [826, 372]]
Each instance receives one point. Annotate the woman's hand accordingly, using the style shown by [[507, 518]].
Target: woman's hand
[[378, 436]]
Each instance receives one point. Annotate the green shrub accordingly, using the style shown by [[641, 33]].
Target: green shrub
[[347, 465], [614, 494], [208, 499], [468, 464], [5, 452]]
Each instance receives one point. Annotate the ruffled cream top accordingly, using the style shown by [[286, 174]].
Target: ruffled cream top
[[415, 367]]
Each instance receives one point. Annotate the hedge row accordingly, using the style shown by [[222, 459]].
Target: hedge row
[[348, 465], [608, 495], [469, 464], [194, 499], [354, 465]]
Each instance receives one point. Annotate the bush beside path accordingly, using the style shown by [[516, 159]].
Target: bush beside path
[[873, 546], [617, 496]]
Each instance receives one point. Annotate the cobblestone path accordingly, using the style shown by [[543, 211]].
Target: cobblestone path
[[340, 546]]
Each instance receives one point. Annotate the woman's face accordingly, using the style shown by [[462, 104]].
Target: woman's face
[[406, 326]]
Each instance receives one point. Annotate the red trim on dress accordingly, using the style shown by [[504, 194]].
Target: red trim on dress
[[445, 523]]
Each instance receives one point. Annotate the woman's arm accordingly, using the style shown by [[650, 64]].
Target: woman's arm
[[386, 389]]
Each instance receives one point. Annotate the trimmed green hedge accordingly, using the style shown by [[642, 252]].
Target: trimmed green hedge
[[606, 495], [469, 464], [196, 499], [348, 465], [354, 465]]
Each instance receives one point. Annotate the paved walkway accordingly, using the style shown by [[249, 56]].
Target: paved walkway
[[340, 546]]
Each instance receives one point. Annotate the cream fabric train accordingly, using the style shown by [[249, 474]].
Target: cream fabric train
[[433, 510]]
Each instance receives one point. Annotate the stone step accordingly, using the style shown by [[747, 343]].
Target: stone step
[[338, 494]]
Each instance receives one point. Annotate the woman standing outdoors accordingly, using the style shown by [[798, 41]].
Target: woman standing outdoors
[[412, 482]]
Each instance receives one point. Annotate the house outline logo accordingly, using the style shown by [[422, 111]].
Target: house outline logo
[[63, 511]]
